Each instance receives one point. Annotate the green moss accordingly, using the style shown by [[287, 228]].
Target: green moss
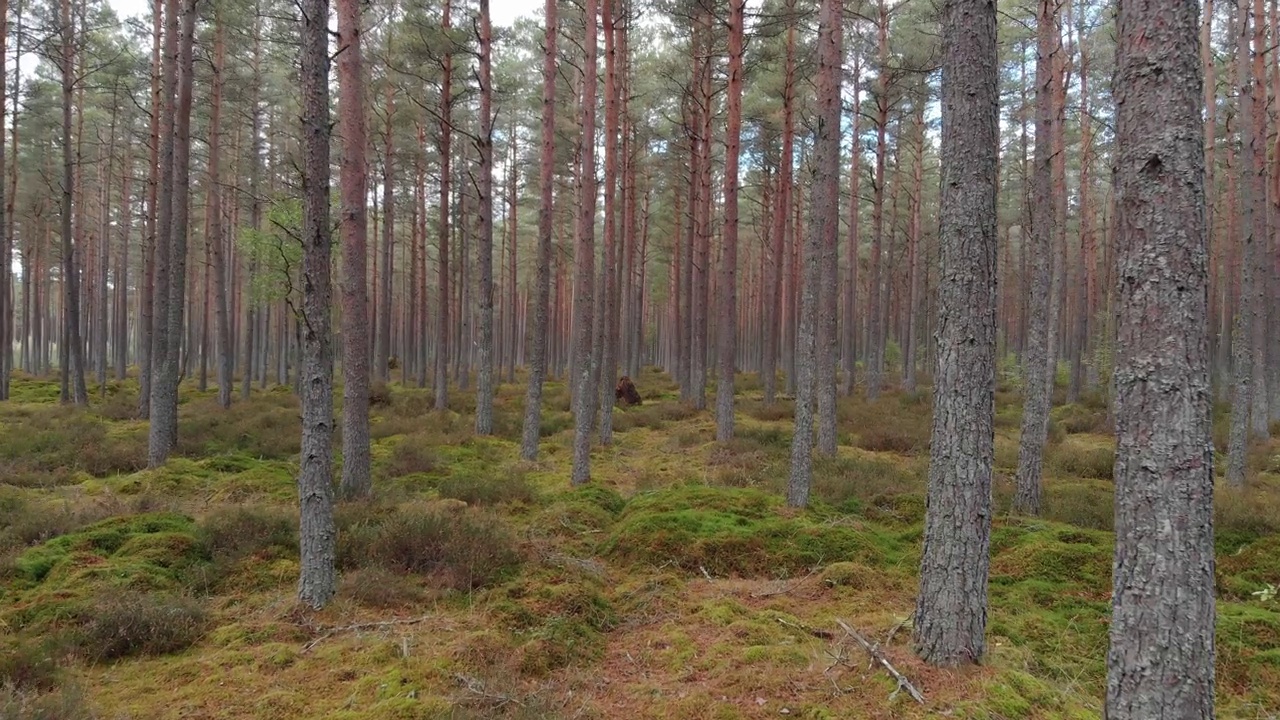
[[1250, 568], [730, 532], [1054, 554], [104, 539], [558, 643]]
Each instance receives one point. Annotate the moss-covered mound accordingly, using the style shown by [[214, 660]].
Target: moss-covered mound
[[731, 531]]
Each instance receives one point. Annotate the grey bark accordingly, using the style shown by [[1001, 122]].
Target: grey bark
[[607, 320], [72, 349], [584, 263], [728, 325], [951, 609], [255, 213], [542, 289], [446, 130], [484, 143], [221, 317], [317, 534], [1161, 660], [1241, 348], [356, 480], [172, 243], [850, 334], [823, 217], [1038, 374]]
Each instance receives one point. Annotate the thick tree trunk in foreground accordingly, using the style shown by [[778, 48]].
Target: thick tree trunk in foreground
[[1161, 660], [316, 532], [951, 612], [1039, 361], [353, 222], [824, 214], [542, 284]]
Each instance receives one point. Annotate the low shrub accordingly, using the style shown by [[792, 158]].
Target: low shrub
[[410, 456], [130, 623], [488, 489], [32, 664], [379, 394], [778, 411], [888, 440], [377, 587], [233, 533], [66, 702], [457, 550], [1076, 418], [1085, 461], [854, 483]]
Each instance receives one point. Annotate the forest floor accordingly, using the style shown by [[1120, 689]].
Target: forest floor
[[475, 585]]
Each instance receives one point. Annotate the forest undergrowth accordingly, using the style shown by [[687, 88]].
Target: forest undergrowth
[[477, 585]]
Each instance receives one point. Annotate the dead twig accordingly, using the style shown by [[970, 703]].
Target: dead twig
[[706, 574], [788, 588], [476, 687], [378, 625], [816, 632], [905, 621], [877, 656]]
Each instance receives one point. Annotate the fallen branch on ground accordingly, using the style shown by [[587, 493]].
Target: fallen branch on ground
[[818, 633], [877, 656], [788, 588], [377, 625], [480, 693]]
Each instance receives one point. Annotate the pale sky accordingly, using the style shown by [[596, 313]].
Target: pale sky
[[503, 11]]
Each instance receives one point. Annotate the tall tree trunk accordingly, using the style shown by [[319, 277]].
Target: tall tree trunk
[[776, 268], [1161, 659], [1039, 354], [849, 341], [1241, 347], [446, 130], [316, 532], [158, 439], [915, 256], [72, 349], [584, 260], [951, 609], [225, 351], [251, 312], [1259, 418], [875, 353], [1088, 239], [728, 325], [827, 342], [356, 480], [382, 343], [6, 237], [823, 221], [607, 343], [121, 348], [546, 209], [484, 375]]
